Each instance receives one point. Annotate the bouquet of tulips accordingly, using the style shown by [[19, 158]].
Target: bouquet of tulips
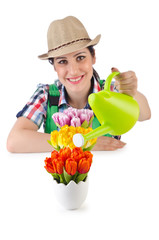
[[67, 165], [67, 162], [70, 122], [63, 138], [74, 117]]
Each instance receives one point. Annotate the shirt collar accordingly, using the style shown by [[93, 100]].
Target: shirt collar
[[62, 100]]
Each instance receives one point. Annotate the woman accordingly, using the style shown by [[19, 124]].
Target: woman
[[71, 52]]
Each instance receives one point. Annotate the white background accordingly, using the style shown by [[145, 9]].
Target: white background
[[129, 194]]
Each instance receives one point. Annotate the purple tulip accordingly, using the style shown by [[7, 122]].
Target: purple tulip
[[75, 122], [61, 119], [72, 117], [84, 117], [88, 112], [71, 112]]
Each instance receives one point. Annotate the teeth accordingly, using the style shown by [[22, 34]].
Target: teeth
[[75, 80]]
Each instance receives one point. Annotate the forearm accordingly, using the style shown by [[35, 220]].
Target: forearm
[[145, 112], [25, 141], [108, 144]]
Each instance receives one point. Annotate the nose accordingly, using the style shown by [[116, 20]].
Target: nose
[[73, 68]]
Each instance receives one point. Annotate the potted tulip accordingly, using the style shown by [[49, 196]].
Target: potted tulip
[[69, 169], [68, 164]]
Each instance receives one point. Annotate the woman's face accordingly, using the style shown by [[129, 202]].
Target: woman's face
[[75, 70]]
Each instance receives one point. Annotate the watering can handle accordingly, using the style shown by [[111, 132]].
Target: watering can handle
[[109, 80]]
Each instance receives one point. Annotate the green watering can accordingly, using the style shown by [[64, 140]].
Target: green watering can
[[116, 112]]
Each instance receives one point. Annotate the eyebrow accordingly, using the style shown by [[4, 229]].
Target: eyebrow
[[78, 54], [57, 58]]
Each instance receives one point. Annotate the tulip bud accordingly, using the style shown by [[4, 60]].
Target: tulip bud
[[61, 119], [54, 154], [55, 117], [71, 166], [58, 165], [64, 120], [70, 112], [49, 166], [77, 153], [54, 138], [84, 117], [65, 153], [75, 122], [83, 166]]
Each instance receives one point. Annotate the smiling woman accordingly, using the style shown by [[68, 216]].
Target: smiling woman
[[71, 51], [75, 71]]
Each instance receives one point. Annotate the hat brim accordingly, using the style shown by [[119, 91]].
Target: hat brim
[[70, 48]]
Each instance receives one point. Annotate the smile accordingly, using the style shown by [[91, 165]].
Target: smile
[[75, 80]]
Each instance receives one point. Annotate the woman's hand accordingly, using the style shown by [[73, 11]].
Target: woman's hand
[[126, 82], [108, 144]]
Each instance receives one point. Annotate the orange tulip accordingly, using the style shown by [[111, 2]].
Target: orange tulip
[[88, 155], [58, 164], [83, 165], [49, 166], [65, 153], [54, 154], [71, 166], [77, 154]]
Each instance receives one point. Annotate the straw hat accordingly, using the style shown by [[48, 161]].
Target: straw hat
[[66, 36]]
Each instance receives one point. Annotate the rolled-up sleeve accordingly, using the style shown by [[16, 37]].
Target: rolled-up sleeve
[[36, 108]]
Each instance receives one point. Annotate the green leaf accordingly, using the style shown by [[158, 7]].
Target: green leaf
[[56, 148], [81, 177], [90, 121], [89, 148], [49, 142], [62, 178], [67, 177], [58, 125], [56, 177], [84, 124], [75, 176]]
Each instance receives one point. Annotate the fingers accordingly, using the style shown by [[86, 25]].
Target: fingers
[[124, 76], [108, 144], [114, 144], [126, 82], [115, 69], [127, 87]]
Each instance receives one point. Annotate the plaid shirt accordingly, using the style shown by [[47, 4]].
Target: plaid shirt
[[36, 109]]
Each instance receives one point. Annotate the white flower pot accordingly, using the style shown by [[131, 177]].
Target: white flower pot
[[72, 195]]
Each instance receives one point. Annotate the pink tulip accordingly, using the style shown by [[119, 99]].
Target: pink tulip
[[72, 117], [64, 120], [69, 113], [61, 118], [88, 112], [55, 117], [75, 122], [84, 117]]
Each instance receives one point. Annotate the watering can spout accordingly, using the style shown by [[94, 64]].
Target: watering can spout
[[79, 139], [116, 112]]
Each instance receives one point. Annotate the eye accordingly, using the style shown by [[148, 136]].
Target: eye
[[62, 62], [80, 58]]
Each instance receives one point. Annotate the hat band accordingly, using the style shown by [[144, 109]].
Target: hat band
[[66, 44]]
